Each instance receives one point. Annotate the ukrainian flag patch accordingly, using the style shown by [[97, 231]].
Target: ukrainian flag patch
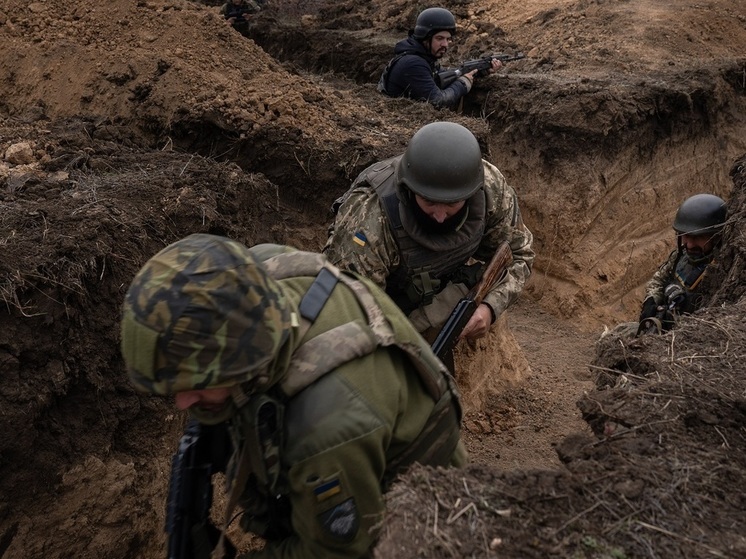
[[326, 490], [360, 238]]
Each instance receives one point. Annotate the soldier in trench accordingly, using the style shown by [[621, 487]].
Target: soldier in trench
[[325, 388], [411, 72], [674, 288], [421, 224]]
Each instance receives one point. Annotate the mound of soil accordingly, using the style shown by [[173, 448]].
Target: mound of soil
[[127, 125]]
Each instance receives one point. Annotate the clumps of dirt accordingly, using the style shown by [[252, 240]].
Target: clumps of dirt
[[81, 208], [664, 476], [727, 280]]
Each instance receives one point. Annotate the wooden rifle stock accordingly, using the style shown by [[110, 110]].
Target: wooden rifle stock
[[465, 308]]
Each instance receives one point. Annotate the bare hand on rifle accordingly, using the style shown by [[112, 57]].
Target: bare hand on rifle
[[479, 323], [496, 65]]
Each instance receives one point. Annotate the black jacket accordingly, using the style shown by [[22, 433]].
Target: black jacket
[[411, 73]]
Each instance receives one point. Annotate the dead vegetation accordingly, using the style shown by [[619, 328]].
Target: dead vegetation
[[665, 475]]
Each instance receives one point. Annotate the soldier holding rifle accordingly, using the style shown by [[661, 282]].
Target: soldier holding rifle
[[416, 222], [308, 387], [414, 69], [674, 288]]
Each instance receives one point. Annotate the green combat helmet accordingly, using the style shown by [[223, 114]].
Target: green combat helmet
[[202, 313], [701, 214], [442, 163]]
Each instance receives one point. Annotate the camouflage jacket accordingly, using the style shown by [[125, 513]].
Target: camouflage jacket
[[362, 238], [360, 392], [678, 269]]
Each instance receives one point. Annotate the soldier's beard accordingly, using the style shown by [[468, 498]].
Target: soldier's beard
[[429, 225], [214, 416], [697, 255]]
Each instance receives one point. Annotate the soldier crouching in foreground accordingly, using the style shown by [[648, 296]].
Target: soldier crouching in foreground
[[325, 388]]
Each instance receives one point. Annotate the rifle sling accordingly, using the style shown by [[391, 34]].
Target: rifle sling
[[310, 306], [237, 486]]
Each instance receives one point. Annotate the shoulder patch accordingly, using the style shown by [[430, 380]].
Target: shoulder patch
[[342, 521], [360, 238], [327, 490]]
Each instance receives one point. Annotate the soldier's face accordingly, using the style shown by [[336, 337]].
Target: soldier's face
[[697, 245], [438, 211], [439, 43], [209, 399]]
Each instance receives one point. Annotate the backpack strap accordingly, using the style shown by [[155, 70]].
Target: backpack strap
[[383, 82], [318, 294], [327, 351]]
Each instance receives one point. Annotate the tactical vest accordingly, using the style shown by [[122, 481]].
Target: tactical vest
[[426, 261], [689, 276], [383, 81]]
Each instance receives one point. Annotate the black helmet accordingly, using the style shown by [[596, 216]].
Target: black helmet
[[432, 20], [442, 163], [700, 214]]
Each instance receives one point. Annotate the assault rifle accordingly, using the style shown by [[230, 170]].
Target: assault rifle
[[664, 314], [203, 451], [444, 78], [464, 309]]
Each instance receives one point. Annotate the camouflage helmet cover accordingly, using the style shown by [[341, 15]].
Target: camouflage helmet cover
[[701, 214], [202, 313], [433, 20]]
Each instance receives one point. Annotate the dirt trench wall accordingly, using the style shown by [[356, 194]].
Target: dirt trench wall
[[84, 457], [601, 171]]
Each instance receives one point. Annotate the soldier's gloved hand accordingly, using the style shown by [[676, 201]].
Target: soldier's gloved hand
[[668, 321], [649, 308]]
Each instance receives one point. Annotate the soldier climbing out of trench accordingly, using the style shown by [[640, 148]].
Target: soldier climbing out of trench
[[421, 224]]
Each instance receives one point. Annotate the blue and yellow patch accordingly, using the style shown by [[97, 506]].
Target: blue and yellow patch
[[360, 238], [326, 490]]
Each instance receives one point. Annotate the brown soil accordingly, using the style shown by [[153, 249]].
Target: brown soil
[[127, 125]]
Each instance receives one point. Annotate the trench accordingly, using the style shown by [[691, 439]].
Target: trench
[[599, 163], [599, 167]]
